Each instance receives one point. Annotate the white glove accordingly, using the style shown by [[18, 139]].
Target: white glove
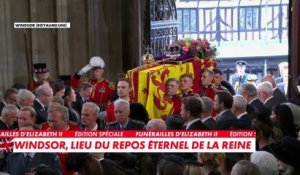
[[85, 69]]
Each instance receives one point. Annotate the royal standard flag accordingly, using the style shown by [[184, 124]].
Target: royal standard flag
[[150, 89]]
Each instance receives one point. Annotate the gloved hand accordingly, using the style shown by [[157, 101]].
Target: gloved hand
[[85, 69]]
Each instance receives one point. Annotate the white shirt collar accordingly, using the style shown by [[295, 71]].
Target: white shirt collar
[[40, 103], [268, 99], [222, 112], [239, 116], [191, 122], [206, 118], [4, 102], [252, 100], [94, 129]]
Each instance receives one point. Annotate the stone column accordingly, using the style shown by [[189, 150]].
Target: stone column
[[62, 45], [6, 51]]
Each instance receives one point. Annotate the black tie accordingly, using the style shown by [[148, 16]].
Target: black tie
[[240, 79]]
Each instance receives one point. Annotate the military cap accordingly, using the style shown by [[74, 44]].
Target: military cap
[[241, 63], [96, 62], [40, 68], [66, 79]]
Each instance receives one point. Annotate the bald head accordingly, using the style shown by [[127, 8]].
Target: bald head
[[156, 124], [269, 78]]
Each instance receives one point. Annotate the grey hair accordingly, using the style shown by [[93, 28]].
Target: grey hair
[[122, 102], [250, 89], [245, 167], [265, 87], [42, 89], [266, 162], [207, 104], [24, 94], [7, 109], [57, 99], [239, 102], [92, 105], [62, 109]]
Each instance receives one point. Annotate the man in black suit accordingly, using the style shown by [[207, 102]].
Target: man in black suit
[[8, 116], [82, 96], [206, 118], [255, 106], [222, 104], [277, 94], [89, 116], [22, 163], [123, 122], [265, 95], [191, 109], [9, 97], [239, 110], [40, 104]]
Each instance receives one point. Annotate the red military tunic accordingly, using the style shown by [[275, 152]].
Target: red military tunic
[[101, 93], [176, 99], [188, 93], [207, 91], [31, 86]]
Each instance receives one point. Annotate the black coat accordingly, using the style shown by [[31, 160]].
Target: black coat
[[16, 162], [1, 106], [77, 105], [210, 123], [245, 121], [3, 126], [41, 112], [257, 107], [279, 96], [226, 120], [270, 103], [198, 125], [130, 126]]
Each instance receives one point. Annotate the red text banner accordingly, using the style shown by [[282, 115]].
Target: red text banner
[[129, 141]]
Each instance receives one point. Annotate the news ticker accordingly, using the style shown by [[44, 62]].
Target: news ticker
[[129, 141], [41, 25]]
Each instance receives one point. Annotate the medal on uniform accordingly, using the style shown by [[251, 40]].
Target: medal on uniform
[[102, 89]]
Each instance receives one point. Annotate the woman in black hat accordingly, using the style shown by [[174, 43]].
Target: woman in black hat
[[287, 151]]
